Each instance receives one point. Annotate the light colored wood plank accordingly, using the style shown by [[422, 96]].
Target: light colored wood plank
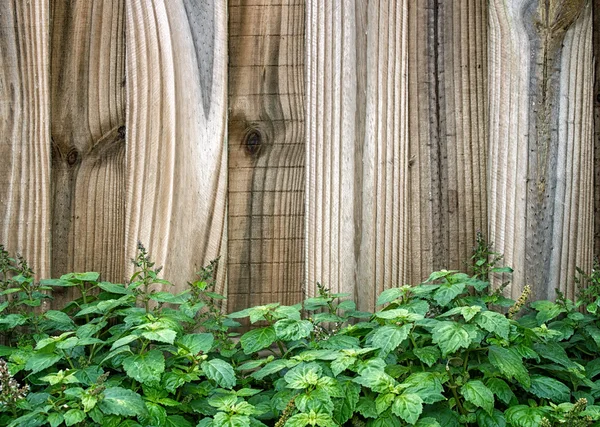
[[87, 126], [266, 151], [541, 142], [357, 216], [176, 199], [596, 43], [25, 189]]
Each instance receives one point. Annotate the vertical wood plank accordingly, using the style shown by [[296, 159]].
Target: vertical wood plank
[[266, 152], [88, 145], [357, 185], [541, 141], [176, 199], [596, 44], [24, 132]]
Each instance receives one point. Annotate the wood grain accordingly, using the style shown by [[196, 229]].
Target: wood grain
[[176, 200], [88, 145], [357, 154], [266, 152], [25, 190], [541, 142]]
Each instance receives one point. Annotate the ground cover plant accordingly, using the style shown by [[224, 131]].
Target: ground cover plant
[[446, 352]]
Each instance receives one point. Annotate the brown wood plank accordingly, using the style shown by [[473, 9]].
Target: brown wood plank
[[266, 151], [176, 200], [357, 216], [88, 157], [25, 189], [541, 142]]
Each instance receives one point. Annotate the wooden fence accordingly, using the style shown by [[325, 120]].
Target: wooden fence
[[358, 143]]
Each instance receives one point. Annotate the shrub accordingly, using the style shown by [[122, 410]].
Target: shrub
[[441, 353]]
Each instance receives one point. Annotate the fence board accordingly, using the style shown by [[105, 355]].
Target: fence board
[[25, 189], [87, 130], [541, 193], [357, 218], [176, 202], [266, 152]]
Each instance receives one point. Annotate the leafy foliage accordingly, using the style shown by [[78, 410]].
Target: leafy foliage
[[446, 352]]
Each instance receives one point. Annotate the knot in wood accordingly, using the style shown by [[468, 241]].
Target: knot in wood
[[253, 142], [73, 157]]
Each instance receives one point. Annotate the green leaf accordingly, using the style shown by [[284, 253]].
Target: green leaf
[[293, 330], [298, 420], [383, 401], [389, 337], [549, 388], [197, 343], [74, 416], [58, 317], [55, 419], [427, 422], [121, 401], [345, 408], [40, 361], [399, 314], [547, 310], [509, 362], [500, 389], [161, 335], [427, 385], [114, 288], [270, 368], [447, 292], [524, 416], [13, 320], [493, 322], [389, 295], [176, 421], [479, 395], [450, 336], [220, 372], [124, 341], [408, 407], [495, 419], [557, 354], [145, 368], [428, 355], [303, 376], [436, 275], [257, 339], [376, 380], [366, 407]]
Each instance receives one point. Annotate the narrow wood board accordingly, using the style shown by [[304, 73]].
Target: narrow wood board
[[541, 142], [88, 145], [266, 152], [25, 189], [176, 192], [357, 154]]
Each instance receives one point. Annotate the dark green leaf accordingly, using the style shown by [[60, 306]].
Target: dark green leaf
[[257, 339], [408, 407], [500, 389], [427, 385], [549, 388], [428, 355], [547, 310], [450, 336], [121, 401], [479, 395], [74, 416], [388, 337], [40, 361], [220, 372], [496, 419], [145, 368], [344, 409], [114, 288], [197, 343], [389, 295], [447, 292], [524, 416], [509, 362], [493, 322], [557, 354]]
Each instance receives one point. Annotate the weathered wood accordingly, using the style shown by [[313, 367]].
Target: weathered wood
[[88, 146], [596, 47], [176, 202], [357, 215], [541, 141], [24, 132], [266, 152]]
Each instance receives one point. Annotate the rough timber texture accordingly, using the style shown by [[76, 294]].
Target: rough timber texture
[[87, 130], [541, 142], [24, 132], [176, 201], [596, 43], [266, 152], [396, 128]]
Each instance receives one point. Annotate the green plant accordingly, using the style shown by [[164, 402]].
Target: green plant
[[436, 354]]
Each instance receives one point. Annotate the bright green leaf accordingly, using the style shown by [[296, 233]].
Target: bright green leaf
[[450, 336], [408, 407], [162, 335], [293, 330], [40, 361], [220, 372], [494, 322], [495, 419], [74, 416], [121, 401], [479, 395], [145, 368], [509, 362], [389, 337], [197, 343], [524, 416], [447, 292], [428, 355], [500, 389]]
